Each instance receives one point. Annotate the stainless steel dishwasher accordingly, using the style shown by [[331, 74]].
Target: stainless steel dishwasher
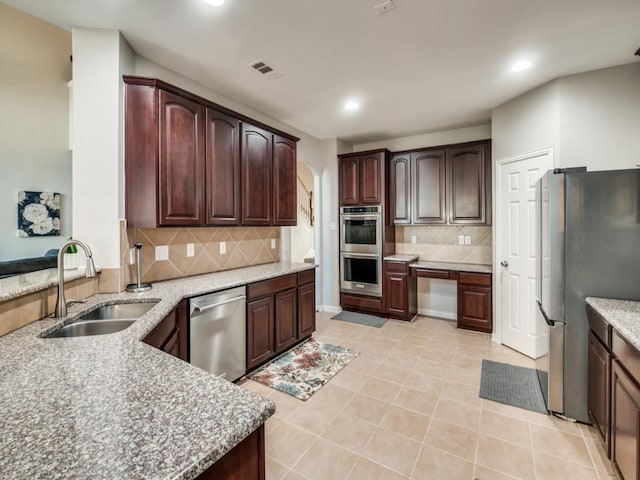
[[218, 333]]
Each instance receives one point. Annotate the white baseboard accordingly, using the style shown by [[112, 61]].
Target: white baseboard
[[427, 312], [328, 308]]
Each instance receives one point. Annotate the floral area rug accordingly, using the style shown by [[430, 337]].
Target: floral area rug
[[304, 369]]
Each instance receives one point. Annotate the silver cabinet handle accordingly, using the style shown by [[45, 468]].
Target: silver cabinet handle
[[504, 263], [213, 305]]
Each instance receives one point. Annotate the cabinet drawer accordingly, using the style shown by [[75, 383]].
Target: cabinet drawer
[[430, 273], [396, 267], [475, 278], [361, 302], [628, 356], [273, 285], [599, 325], [307, 276]]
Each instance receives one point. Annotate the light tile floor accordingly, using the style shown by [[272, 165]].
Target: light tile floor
[[408, 408]]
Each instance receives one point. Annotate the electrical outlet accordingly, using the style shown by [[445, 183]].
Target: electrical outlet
[[190, 250], [223, 248], [414, 239], [162, 253], [460, 239], [467, 240], [273, 243], [132, 256]]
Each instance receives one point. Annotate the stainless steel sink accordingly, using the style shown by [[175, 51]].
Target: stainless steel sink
[[118, 311], [91, 327], [103, 320]]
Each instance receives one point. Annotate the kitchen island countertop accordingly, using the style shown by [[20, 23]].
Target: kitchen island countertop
[[110, 406]]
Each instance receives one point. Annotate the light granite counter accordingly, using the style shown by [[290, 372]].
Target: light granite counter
[[25, 283], [622, 315], [408, 258], [460, 267], [110, 406]]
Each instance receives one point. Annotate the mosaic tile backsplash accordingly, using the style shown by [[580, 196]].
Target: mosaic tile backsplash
[[439, 243], [245, 246]]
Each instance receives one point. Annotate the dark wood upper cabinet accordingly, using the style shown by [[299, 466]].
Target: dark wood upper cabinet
[[222, 169], [429, 190], [470, 184], [256, 176], [285, 207], [361, 178], [189, 161], [400, 189], [349, 181], [181, 161]]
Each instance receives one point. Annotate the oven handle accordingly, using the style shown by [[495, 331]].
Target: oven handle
[[361, 217], [360, 255]]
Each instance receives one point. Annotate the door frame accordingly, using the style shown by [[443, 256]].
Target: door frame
[[498, 248]]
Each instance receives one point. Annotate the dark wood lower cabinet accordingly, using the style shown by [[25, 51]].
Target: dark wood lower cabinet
[[625, 423], [474, 302], [260, 331], [599, 367], [399, 291], [171, 335], [361, 303], [280, 313], [246, 461]]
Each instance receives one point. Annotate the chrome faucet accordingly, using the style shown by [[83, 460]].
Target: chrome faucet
[[61, 304]]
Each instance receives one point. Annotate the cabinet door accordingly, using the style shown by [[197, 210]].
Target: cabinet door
[[400, 189], [470, 186], [260, 335], [625, 423], [429, 195], [349, 183], [598, 403], [370, 178], [395, 294], [306, 310], [286, 308], [222, 169], [256, 176], [285, 208], [474, 308], [171, 334], [182, 150]]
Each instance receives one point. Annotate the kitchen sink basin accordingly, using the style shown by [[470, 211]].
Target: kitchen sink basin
[[103, 320], [90, 327]]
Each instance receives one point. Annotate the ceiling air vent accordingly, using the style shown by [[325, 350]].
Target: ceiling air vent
[[265, 70]]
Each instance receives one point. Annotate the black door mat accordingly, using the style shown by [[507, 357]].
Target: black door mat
[[360, 318], [512, 385]]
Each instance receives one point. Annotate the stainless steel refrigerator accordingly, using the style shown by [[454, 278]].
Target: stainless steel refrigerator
[[588, 244]]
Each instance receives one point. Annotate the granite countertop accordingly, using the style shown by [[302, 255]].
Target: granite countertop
[[110, 406], [461, 267], [398, 257], [623, 315]]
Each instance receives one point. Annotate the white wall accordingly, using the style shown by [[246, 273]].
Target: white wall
[[34, 124], [600, 118], [444, 137], [97, 148]]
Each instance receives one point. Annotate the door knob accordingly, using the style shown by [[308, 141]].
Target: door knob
[[504, 263]]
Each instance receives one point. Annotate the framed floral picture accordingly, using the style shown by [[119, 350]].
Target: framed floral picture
[[38, 214]]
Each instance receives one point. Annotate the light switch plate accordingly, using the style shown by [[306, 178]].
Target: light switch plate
[[460, 239], [190, 250], [414, 239], [332, 226], [467, 240], [223, 248], [273, 243], [162, 253]]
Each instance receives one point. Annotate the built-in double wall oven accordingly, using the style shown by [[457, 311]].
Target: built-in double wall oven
[[361, 250]]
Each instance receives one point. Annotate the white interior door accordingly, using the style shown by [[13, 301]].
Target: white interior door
[[516, 252]]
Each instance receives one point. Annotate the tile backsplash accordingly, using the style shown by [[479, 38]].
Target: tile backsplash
[[440, 243], [245, 246]]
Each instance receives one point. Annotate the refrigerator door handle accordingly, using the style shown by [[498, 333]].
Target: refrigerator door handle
[[551, 323]]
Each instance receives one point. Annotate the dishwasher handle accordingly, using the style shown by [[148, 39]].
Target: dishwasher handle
[[204, 308]]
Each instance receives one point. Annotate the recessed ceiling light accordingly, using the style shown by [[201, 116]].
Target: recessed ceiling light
[[215, 3], [521, 66], [351, 105]]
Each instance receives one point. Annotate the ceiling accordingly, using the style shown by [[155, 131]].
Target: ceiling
[[426, 65]]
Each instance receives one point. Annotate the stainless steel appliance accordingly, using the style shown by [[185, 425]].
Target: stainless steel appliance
[[361, 273], [217, 338], [587, 244], [361, 229]]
